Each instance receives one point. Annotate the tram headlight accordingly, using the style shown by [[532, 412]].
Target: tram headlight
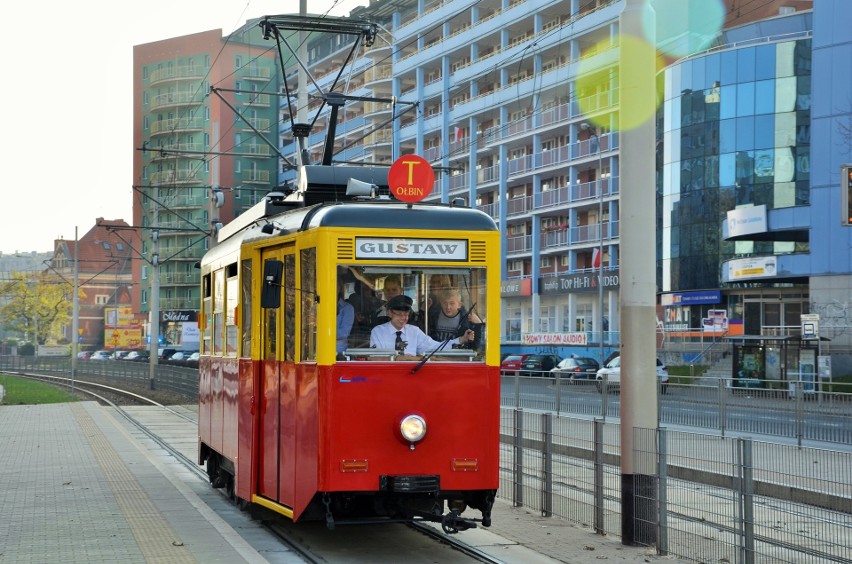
[[412, 428]]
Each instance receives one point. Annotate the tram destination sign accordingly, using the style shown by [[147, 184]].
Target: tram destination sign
[[395, 248]]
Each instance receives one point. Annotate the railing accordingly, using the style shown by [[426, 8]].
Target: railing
[[796, 409], [704, 498]]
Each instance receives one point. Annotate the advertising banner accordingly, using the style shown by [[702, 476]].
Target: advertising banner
[[554, 339]]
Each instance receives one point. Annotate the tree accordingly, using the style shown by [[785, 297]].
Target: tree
[[37, 305]]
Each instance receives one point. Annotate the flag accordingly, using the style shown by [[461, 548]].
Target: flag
[[457, 135], [596, 258]]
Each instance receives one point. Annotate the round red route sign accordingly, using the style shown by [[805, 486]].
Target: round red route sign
[[411, 178]]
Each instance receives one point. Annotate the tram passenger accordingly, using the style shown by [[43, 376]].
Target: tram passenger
[[452, 319], [364, 300], [345, 319], [391, 289], [405, 338]]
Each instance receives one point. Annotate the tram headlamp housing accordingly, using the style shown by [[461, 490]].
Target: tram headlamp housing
[[412, 428]]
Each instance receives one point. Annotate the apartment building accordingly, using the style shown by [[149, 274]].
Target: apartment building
[[205, 116]]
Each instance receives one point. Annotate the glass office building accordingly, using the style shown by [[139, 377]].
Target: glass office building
[[733, 176]]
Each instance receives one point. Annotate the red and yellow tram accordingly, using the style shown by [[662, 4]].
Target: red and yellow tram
[[293, 421]]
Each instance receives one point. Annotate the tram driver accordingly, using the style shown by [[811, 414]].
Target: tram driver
[[397, 334]]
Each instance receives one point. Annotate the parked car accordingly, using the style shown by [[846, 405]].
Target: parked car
[[512, 363], [84, 355], [134, 355], [539, 364], [100, 355], [181, 356], [612, 371], [576, 368], [139, 356], [119, 355], [166, 353]]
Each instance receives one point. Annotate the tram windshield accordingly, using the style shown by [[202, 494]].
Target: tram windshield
[[434, 309]]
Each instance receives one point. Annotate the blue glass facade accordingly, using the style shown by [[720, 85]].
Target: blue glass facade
[[735, 131]]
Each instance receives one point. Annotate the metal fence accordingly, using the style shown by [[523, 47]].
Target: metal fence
[[176, 379], [799, 412], [714, 499]]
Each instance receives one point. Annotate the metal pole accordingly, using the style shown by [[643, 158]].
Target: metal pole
[[75, 315], [154, 333], [586, 127], [600, 244]]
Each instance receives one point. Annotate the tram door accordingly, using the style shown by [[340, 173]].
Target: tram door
[[276, 370]]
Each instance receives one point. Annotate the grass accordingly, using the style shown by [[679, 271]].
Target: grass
[[21, 391]]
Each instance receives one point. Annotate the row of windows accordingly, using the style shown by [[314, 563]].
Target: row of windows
[[779, 60], [741, 134]]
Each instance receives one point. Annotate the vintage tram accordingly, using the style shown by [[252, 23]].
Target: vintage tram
[[291, 420]]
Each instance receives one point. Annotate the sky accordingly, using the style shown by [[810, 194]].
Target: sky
[[66, 147]]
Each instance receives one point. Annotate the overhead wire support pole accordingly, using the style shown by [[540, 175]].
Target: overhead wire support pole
[[75, 315], [586, 127]]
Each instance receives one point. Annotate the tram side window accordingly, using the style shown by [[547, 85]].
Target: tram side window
[[245, 307], [307, 295], [218, 310], [289, 307], [207, 319], [231, 300]]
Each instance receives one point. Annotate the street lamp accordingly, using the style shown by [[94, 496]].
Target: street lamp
[[586, 127]]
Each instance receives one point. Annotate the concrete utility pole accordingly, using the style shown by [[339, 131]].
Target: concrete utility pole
[[639, 385]]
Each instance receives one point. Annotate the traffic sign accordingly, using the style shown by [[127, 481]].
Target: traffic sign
[[411, 178], [810, 325]]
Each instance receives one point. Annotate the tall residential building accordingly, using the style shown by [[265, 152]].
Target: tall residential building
[[201, 156], [511, 130]]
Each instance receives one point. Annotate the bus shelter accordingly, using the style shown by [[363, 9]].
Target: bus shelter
[[775, 362]]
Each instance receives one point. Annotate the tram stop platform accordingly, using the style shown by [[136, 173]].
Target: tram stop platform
[[80, 484]]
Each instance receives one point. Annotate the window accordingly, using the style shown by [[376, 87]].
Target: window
[[102, 299], [846, 194], [445, 301], [513, 322], [582, 318], [547, 319], [308, 260]]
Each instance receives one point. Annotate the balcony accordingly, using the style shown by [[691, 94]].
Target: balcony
[[491, 209], [254, 150], [174, 151], [179, 279], [261, 124], [263, 74], [176, 99], [252, 99], [171, 74], [255, 176], [174, 177], [179, 125], [519, 244]]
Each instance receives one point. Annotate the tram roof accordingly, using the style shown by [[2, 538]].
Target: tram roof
[[390, 214]]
